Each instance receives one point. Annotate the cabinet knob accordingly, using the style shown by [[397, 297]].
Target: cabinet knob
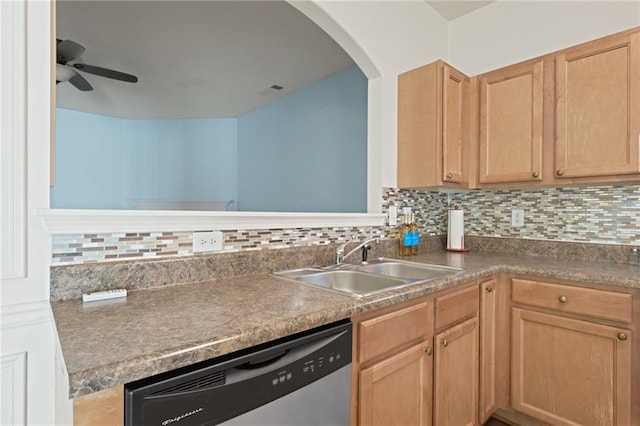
[[562, 299], [488, 289], [429, 351], [622, 336], [449, 175], [535, 174], [559, 172], [445, 343]]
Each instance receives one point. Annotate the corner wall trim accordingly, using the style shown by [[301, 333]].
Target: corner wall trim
[[13, 134]]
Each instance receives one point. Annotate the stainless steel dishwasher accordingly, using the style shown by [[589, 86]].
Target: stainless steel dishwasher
[[303, 380]]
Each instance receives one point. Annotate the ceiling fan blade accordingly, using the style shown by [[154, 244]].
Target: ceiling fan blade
[[80, 83], [105, 72], [67, 50]]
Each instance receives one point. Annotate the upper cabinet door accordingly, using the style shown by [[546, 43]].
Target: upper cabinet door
[[511, 124], [455, 89], [598, 110], [432, 126]]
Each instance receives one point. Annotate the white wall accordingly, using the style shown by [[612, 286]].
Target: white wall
[[396, 36], [506, 32], [26, 327]]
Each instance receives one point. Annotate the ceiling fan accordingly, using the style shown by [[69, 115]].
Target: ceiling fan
[[67, 51]]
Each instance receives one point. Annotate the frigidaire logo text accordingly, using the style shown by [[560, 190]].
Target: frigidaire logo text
[[182, 416]]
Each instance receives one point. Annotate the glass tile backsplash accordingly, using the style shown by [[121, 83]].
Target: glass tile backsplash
[[596, 214]]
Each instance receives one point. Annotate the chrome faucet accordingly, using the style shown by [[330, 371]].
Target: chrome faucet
[[365, 246]]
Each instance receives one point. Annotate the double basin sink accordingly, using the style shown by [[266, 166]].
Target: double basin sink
[[360, 280]]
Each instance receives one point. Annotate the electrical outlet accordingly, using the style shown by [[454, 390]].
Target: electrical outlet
[[207, 241], [393, 215], [517, 218]]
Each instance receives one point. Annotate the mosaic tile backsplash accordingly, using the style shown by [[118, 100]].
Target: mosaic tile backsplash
[[84, 248], [597, 214]]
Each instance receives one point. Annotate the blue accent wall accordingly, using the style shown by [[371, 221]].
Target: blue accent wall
[[305, 152], [102, 162]]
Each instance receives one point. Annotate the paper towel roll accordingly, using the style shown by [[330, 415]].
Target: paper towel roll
[[455, 233]]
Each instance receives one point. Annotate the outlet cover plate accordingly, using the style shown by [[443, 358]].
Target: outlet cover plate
[[517, 218], [207, 241]]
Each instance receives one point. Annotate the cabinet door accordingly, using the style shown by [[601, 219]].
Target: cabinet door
[[511, 120], [456, 375], [598, 108], [569, 372], [455, 89], [488, 340], [432, 126], [397, 390]]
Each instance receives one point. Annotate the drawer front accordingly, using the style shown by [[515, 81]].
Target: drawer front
[[388, 332], [456, 306], [602, 304]]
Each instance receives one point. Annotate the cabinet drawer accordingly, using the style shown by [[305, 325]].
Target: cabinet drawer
[[603, 304], [457, 306], [387, 332]]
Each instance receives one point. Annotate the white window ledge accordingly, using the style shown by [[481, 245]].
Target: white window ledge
[[63, 221]]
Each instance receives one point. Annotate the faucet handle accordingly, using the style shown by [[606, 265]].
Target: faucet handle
[[365, 253]]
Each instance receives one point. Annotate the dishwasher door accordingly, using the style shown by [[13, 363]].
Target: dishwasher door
[[302, 380], [322, 403]]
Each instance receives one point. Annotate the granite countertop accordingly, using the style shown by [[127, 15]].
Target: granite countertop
[[113, 342]]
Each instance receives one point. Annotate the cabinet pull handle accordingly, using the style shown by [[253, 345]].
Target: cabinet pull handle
[[488, 289], [622, 336], [445, 343], [559, 172], [535, 174], [429, 351], [562, 299], [449, 175]]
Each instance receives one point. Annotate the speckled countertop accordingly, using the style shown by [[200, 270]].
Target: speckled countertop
[[108, 343]]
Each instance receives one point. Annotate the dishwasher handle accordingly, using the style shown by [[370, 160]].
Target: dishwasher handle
[[241, 373], [262, 361]]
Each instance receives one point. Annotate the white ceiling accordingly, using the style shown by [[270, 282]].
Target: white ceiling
[[199, 58], [193, 58], [452, 9]]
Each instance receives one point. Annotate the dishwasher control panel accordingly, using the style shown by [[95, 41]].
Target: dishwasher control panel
[[311, 368]]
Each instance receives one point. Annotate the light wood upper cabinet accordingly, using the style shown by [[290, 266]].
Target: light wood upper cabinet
[[432, 127], [511, 124], [598, 108]]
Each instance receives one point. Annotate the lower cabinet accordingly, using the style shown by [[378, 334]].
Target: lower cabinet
[[456, 375], [405, 375], [397, 390], [105, 407], [393, 365], [571, 353], [568, 372]]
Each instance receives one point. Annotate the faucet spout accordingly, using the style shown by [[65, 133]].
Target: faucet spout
[[365, 245]]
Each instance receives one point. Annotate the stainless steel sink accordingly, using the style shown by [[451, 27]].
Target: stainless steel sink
[[410, 271], [354, 283], [358, 280]]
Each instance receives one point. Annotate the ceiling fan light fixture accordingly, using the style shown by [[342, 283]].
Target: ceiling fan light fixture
[[64, 73]]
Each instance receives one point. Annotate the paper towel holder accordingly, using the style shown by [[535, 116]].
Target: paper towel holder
[[461, 249]]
